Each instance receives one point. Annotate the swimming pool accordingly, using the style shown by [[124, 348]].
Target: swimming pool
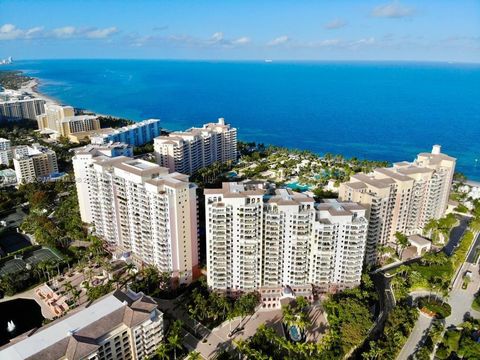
[[294, 333]]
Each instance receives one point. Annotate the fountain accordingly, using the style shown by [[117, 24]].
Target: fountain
[[10, 326]]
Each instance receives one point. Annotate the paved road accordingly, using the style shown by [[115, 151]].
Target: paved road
[[471, 255], [417, 337], [456, 234], [461, 299]]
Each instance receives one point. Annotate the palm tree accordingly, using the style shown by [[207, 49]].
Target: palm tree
[[288, 315], [162, 351], [176, 343], [194, 355], [402, 242]]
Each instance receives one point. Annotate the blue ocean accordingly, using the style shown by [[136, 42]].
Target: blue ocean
[[373, 110]]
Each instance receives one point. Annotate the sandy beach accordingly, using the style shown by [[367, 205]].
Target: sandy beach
[[30, 88]]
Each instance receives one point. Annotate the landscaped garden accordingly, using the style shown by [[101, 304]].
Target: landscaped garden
[[434, 307], [461, 342]]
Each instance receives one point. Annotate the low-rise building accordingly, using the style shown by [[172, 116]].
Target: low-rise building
[[8, 177], [121, 325], [34, 163], [196, 148], [136, 135]]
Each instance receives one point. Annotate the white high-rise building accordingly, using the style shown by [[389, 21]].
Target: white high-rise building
[[34, 163], [258, 238], [402, 198], [141, 209], [196, 148], [82, 162], [121, 325]]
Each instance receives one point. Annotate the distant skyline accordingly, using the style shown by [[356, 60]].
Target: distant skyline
[[441, 30]]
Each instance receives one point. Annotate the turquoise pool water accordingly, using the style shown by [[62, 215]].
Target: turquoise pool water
[[294, 333]]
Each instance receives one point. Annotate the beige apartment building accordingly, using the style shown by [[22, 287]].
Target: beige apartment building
[[62, 121], [34, 163], [196, 148], [145, 212], [259, 237], [402, 198], [121, 325]]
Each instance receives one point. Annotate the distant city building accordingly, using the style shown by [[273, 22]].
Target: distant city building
[[196, 148], [62, 121], [261, 238], [5, 151], [137, 134], [34, 163], [121, 325], [142, 210], [402, 198], [82, 162], [8, 177], [15, 105]]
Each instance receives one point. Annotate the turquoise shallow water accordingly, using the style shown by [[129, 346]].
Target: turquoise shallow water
[[383, 111]]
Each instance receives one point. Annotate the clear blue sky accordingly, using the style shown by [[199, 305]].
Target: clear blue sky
[[437, 30]]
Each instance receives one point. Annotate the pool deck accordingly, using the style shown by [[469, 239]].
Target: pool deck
[[30, 294]]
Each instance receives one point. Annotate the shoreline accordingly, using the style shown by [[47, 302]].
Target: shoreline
[[31, 88]]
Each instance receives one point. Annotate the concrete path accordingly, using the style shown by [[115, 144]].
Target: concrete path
[[30, 294], [211, 342], [417, 336]]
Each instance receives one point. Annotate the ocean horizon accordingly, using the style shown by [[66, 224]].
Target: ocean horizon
[[378, 110]]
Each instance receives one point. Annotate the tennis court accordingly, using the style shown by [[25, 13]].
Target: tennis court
[[12, 266], [37, 256], [42, 254]]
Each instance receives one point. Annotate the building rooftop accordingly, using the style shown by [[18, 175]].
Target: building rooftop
[[77, 334]]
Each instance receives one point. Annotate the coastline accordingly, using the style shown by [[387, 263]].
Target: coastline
[[31, 88]]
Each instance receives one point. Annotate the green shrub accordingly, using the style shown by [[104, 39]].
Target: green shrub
[[441, 309]]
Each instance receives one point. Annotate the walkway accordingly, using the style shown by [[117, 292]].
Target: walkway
[[416, 337], [211, 342], [30, 294]]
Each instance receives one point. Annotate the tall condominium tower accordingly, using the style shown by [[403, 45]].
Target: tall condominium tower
[[140, 208], [259, 237], [82, 162], [191, 150], [61, 121], [402, 198]]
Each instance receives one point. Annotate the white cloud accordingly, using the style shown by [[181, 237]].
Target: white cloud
[[279, 40], [217, 37], [241, 41], [11, 32], [101, 33], [393, 10], [335, 24], [64, 32]]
